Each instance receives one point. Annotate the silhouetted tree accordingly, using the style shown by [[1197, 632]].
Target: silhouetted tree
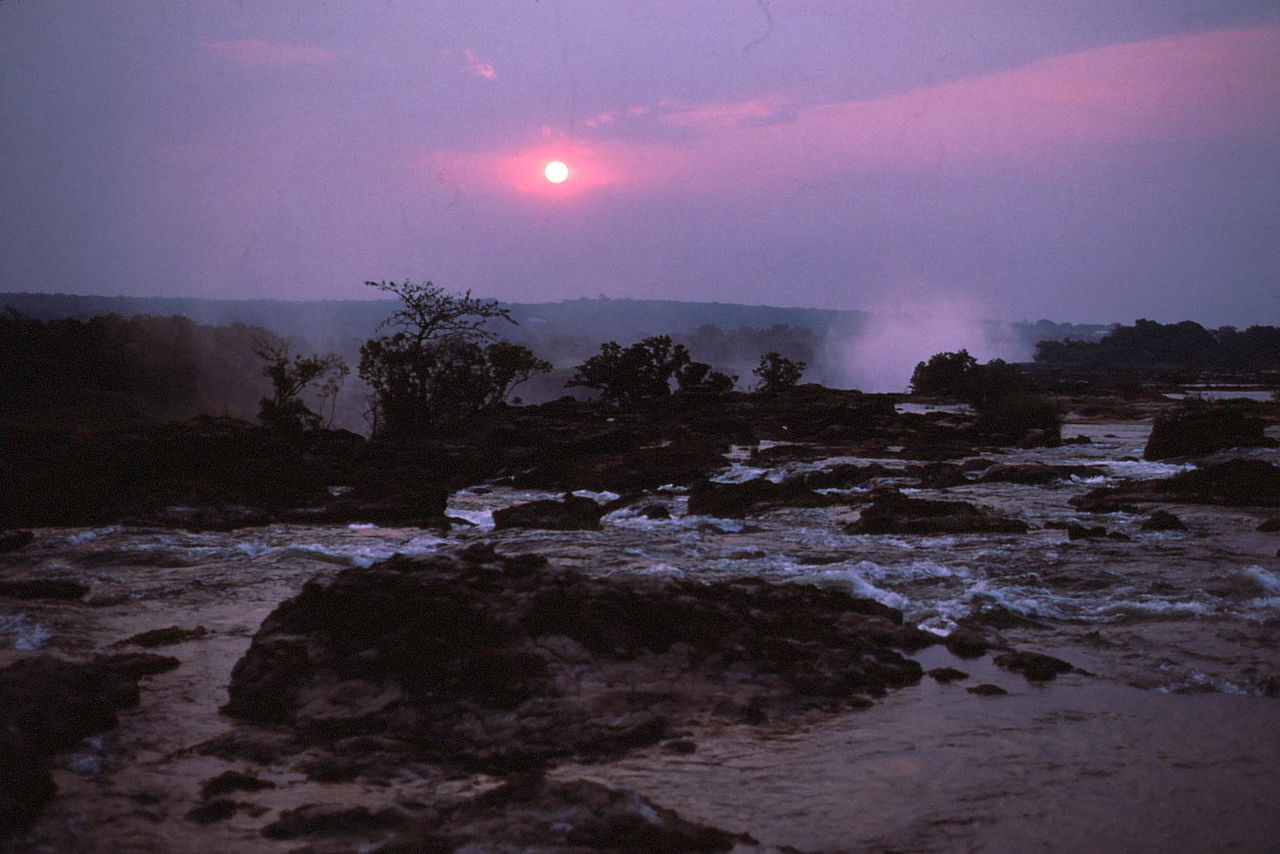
[[777, 373], [290, 375], [1000, 393], [434, 369], [641, 371], [697, 378]]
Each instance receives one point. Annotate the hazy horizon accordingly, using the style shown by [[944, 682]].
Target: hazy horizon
[[955, 161]]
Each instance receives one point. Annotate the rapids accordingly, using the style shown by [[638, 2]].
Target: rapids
[[1160, 619]]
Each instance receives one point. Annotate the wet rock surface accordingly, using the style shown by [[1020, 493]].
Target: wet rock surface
[[1234, 483], [1200, 428], [570, 513], [47, 705], [894, 513], [501, 664]]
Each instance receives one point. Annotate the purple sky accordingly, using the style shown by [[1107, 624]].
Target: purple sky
[[1081, 160]]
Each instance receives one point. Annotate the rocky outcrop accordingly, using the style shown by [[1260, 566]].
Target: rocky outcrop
[[13, 540], [47, 705], [1037, 474], [571, 513], [1200, 428], [530, 813], [501, 663], [893, 513], [41, 588], [735, 500], [1234, 483]]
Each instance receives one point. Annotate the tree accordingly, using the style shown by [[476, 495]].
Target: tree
[[642, 371], [428, 313], [1000, 393], [434, 369], [508, 365], [946, 375], [698, 378], [777, 373], [290, 375]]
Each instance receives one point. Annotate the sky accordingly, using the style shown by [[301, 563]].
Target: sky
[[1078, 160]]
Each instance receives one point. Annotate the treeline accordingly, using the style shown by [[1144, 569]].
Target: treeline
[[1185, 345], [114, 366]]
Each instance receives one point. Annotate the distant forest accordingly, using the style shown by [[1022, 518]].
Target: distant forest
[[112, 367], [1182, 346], [110, 357]]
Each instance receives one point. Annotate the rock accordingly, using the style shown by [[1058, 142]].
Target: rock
[[1037, 474], [893, 513], [1198, 428], [571, 513], [42, 588], [1234, 483], [408, 499], [947, 674], [655, 511], [25, 785], [213, 811], [1270, 525], [531, 813], [1036, 667], [735, 500], [14, 540], [480, 661], [164, 637], [233, 781], [48, 705], [206, 472], [1093, 532], [1163, 520], [986, 689], [330, 820], [967, 643]]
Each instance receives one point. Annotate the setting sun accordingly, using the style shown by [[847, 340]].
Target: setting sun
[[556, 172]]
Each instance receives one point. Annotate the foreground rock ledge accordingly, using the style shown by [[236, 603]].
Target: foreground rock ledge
[[501, 664]]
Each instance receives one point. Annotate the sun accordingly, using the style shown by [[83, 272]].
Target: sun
[[556, 172]]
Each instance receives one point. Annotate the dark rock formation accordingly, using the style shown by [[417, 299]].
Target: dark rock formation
[[1200, 428], [533, 814], [1234, 483], [571, 513], [893, 513], [1163, 520], [47, 705], [947, 674], [407, 498], [14, 540], [986, 689], [42, 588], [233, 781], [1037, 474], [735, 500], [1035, 666], [502, 664], [207, 472], [164, 637]]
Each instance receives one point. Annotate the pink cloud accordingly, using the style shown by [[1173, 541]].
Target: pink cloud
[[479, 67], [1222, 84], [258, 52]]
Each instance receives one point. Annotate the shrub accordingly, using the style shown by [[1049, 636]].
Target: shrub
[[434, 369], [777, 373], [642, 371], [284, 411]]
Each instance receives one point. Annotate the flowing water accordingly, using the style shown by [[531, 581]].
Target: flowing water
[[1172, 742]]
